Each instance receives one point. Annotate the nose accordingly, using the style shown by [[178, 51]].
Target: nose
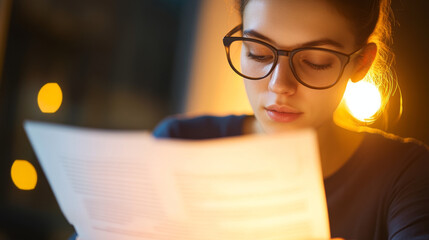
[[282, 80]]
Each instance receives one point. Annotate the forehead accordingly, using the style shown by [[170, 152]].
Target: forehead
[[291, 22]]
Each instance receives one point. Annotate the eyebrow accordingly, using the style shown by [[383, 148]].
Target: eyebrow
[[319, 42]]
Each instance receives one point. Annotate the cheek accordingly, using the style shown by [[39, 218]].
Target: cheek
[[323, 103], [255, 90], [328, 100]]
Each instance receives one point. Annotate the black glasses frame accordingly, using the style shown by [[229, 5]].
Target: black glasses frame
[[228, 40]]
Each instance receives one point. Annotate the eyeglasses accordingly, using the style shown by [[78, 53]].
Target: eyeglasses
[[313, 67]]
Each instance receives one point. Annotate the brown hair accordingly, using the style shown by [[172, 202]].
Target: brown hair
[[372, 21]]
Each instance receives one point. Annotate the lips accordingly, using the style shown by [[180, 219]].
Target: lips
[[282, 113]]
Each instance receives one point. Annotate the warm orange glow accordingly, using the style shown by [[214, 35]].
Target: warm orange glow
[[214, 88], [24, 175], [363, 100], [50, 98]]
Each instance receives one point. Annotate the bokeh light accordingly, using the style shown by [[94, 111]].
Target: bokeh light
[[24, 175], [50, 98], [363, 100]]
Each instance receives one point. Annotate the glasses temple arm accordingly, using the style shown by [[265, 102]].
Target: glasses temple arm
[[234, 30]]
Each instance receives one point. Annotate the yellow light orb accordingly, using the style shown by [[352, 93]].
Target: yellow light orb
[[50, 98], [24, 175], [363, 100]]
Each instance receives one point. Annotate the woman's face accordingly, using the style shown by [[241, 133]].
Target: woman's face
[[279, 101]]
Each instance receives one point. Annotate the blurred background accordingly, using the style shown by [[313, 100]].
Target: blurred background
[[127, 65]]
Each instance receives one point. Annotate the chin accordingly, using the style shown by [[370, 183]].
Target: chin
[[277, 127]]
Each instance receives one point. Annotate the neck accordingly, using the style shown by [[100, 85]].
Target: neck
[[336, 146]]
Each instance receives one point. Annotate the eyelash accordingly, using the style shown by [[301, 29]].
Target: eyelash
[[316, 66], [310, 64], [258, 58]]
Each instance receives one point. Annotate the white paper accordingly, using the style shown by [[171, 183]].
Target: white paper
[[127, 185]]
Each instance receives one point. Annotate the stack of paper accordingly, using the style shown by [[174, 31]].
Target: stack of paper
[[129, 185]]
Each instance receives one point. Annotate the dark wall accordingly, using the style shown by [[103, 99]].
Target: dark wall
[[411, 46]]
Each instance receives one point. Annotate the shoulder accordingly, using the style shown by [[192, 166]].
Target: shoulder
[[407, 163], [384, 144], [201, 127], [384, 159], [394, 154], [389, 161], [403, 163]]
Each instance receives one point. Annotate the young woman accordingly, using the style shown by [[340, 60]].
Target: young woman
[[296, 57]]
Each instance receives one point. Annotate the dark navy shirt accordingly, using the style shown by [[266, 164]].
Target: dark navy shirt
[[381, 192]]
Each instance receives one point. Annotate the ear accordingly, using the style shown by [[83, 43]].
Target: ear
[[363, 62]]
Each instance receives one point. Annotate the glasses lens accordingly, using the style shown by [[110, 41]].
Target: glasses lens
[[251, 59], [317, 68]]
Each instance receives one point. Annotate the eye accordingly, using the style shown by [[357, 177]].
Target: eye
[[260, 58], [317, 66]]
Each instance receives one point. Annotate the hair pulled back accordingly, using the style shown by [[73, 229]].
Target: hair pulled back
[[372, 22]]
